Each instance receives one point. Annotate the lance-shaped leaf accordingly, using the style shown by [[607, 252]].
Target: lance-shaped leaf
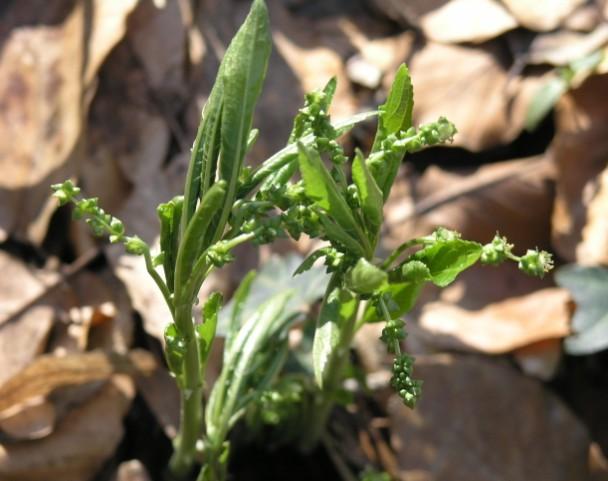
[[323, 190], [370, 195], [365, 278], [169, 215], [242, 75], [337, 310], [396, 113], [193, 242]]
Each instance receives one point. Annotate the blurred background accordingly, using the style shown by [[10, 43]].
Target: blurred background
[[109, 93]]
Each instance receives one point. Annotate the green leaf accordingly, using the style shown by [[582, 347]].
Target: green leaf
[[206, 331], [544, 100], [169, 215], [446, 259], [323, 190], [371, 197], [589, 288], [175, 350], [396, 113], [403, 296], [307, 264], [237, 306], [242, 76], [339, 307], [365, 278], [192, 244], [335, 233]]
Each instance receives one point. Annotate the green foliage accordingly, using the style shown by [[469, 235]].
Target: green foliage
[[589, 288], [312, 188]]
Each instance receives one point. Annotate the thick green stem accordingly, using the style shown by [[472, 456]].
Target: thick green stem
[[191, 419]]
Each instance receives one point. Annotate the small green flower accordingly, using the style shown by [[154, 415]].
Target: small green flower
[[536, 263]]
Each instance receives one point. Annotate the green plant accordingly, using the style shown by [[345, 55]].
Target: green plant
[[226, 203]]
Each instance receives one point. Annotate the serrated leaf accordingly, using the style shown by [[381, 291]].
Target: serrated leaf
[[589, 288], [372, 201], [446, 259], [365, 278], [338, 308]]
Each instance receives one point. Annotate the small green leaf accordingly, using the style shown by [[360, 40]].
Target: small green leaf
[[589, 288], [335, 233], [371, 197], [242, 75], [192, 244], [544, 100], [446, 259], [310, 261], [339, 307], [403, 296], [365, 278], [238, 303], [206, 331], [321, 187], [169, 215], [175, 350]]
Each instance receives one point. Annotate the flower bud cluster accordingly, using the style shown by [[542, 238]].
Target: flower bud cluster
[[536, 263], [408, 388], [392, 334], [496, 251]]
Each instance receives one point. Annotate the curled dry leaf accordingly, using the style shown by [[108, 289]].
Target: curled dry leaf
[[515, 196], [580, 150], [541, 15], [502, 326], [83, 440], [472, 87], [32, 419], [24, 325], [46, 72], [48, 372], [473, 419], [562, 47], [467, 21]]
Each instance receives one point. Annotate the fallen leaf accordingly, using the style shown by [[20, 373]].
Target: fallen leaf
[[467, 21], [514, 197], [540, 360], [472, 87], [579, 151], [562, 47], [33, 419], [503, 326], [48, 372], [83, 440], [407, 12], [541, 15], [473, 419]]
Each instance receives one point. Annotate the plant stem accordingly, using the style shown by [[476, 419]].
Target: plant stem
[[191, 419]]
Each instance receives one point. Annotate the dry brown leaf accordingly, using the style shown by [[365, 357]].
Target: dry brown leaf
[[46, 72], [132, 470], [473, 421], [158, 36], [83, 440], [503, 326], [562, 47], [467, 21], [408, 12], [580, 153], [33, 419], [541, 15], [584, 18], [48, 372], [541, 359], [471, 87], [514, 197]]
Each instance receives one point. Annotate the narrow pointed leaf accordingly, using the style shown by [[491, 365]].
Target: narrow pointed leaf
[[371, 197]]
